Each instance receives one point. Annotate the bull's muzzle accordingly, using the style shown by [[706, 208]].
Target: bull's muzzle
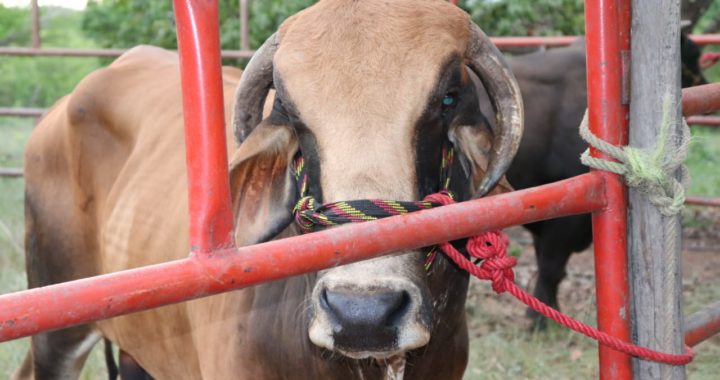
[[377, 320]]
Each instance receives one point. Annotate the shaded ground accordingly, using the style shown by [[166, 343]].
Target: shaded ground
[[502, 346]]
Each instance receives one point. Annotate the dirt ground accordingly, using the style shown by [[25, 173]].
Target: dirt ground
[[701, 267], [493, 313]]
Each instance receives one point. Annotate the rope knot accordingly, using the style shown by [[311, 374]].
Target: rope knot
[[650, 171], [497, 267], [305, 215]]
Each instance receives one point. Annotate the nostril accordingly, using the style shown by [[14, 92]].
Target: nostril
[[374, 310], [400, 308]]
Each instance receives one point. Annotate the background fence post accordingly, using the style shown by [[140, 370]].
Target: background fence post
[[35, 21], [655, 275], [244, 27]]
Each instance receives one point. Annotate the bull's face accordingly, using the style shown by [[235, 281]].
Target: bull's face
[[369, 92]]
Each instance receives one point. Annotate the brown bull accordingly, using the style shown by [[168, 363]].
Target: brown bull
[[369, 92]]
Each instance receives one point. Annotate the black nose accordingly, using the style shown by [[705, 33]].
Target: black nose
[[365, 322]]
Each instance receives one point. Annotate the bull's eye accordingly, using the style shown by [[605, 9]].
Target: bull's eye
[[449, 100]]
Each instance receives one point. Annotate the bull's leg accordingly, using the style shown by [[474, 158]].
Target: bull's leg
[[52, 241], [26, 368], [58, 354], [551, 259], [130, 369], [62, 354], [555, 240]]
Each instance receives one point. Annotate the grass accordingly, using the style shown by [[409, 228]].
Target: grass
[[703, 161], [509, 350]]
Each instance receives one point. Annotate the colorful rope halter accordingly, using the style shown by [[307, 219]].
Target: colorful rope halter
[[309, 213]]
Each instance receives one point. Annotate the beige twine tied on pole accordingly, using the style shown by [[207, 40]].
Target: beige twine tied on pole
[[651, 171]]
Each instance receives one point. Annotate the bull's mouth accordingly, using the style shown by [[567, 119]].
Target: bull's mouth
[[359, 345], [377, 355]]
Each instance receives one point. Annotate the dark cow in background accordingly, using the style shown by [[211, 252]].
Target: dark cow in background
[[554, 88]]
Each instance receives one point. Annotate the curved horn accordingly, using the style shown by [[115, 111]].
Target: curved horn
[[253, 89], [490, 66]]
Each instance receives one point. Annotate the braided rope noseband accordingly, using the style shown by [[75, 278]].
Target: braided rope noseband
[[309, 213]]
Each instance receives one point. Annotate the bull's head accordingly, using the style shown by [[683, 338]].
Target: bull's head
[[369, 91]]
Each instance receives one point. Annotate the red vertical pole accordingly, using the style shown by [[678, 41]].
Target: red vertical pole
[[607, 30], [207, 166]]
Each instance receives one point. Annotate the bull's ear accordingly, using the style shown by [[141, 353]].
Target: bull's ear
[[261, 183], [474, 143]]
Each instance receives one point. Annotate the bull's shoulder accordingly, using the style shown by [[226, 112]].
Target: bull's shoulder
[[144, 54]]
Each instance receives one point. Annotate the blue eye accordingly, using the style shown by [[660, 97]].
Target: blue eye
[[449, 100]]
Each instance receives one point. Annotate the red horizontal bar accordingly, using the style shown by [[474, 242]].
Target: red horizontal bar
[[699, 100], [81, 301], [702, 201], [71, 52], [711, 121], [702, 325], [706, 39]]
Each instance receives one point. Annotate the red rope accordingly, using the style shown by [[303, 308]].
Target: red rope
[[496, 266]]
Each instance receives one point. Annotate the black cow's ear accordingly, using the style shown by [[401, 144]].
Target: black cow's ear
[[261, 183], [474, 143]]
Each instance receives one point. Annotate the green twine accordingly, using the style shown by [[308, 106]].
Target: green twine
[[650, 171]]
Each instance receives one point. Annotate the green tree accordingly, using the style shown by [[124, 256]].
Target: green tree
[[527, 17], [40, 81], [14, 26], [125, 23], [267, 15]]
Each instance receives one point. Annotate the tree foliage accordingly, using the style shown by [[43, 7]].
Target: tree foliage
[[40, 81], [527, 17], [14, 26], [125, 23]]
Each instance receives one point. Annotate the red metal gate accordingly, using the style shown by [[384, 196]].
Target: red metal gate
[[215, 265]]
